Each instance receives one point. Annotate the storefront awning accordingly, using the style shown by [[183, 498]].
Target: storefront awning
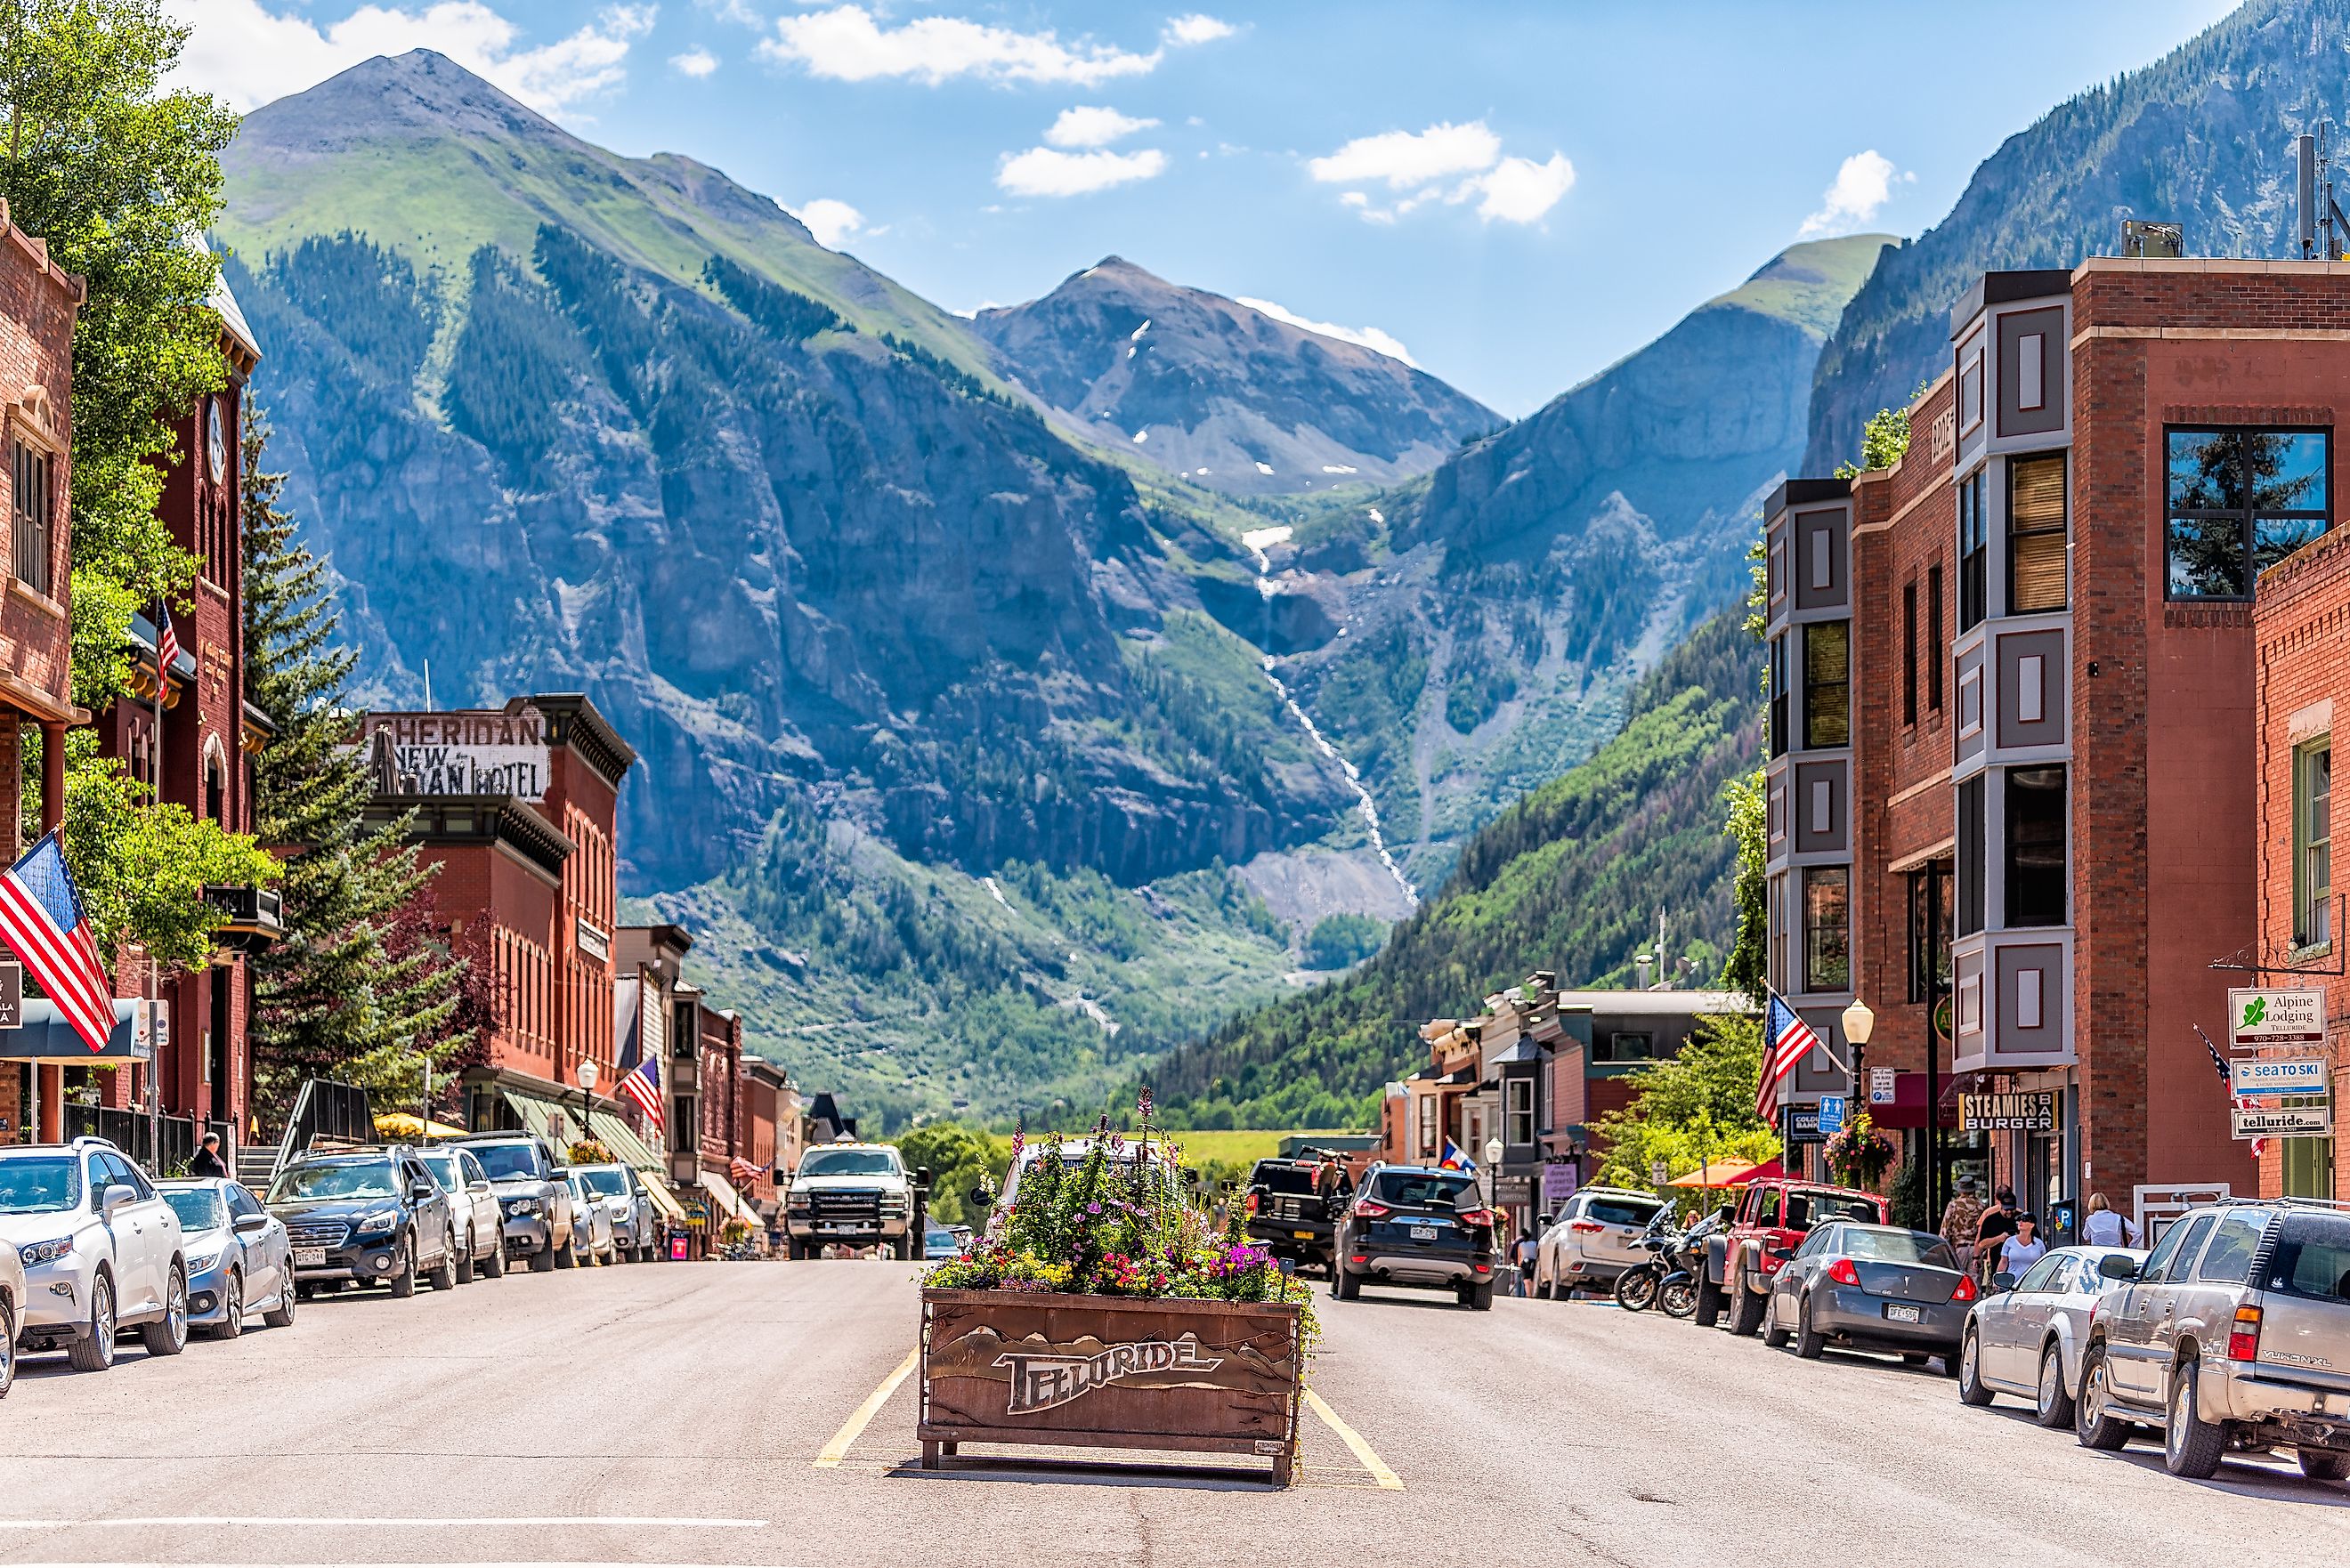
[[664, 1198], [534, 1114], [626, 1146], [724, 1196], [46, 1037]]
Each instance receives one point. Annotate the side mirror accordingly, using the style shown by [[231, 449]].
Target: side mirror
[[2114, 1266], [247, 1224], [115, 1196], [922, 1177], [422, 1192], [2003, 1281], [477, 1186]]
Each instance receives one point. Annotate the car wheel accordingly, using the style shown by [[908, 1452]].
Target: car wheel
[[1746, 1307], [282, 1315], [465, 1261], [94, 1351], [568, 1255], [1972, 1389], [1347, 1287], [168, 1335], [2052, 1406], [403, 1278], [443, 1276], [1772, 1334], [2317, 1464], [495, 1265], [1809, 1341], [545, 1258], [7, 1348], [1709, 1302], [2191, 1446], [231, 1322], [2093, 1424], [1478, 1298]]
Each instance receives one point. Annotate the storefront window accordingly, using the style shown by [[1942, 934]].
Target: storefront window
[[1929, 932], [2308, 1164], [1827, 949]]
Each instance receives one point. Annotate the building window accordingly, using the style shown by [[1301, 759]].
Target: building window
[[1519, 1120], [2240, 502], [1827, 699], [1938, 648], [34, 504], [1621, 1047], [1427, 1104], [1974, 554], [1827, 947], [1972, 863], [1779, 696], [2036, 533], [1909, 653], [1929, 932], [2313, 844], [2308, 1162], [1774, 961], [2036, 847]]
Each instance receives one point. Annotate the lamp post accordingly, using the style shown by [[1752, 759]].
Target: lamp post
[[587, 1073], [1859, 1024]]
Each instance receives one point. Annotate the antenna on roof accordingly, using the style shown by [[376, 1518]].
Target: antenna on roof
[[2322, 226]]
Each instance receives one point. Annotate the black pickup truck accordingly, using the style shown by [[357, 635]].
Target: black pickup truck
[[1292, 1206]]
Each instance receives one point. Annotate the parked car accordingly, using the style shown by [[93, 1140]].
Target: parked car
[[481, 1222], [1293, 1207], [621, 1191], [1593, 1238], [100, 1251], [239, 1257], [2233, 1332], [1417, 1227], [1869, 1287], [1773, 1218], [939, 1243], [12, 1314], [592, 1227], [2026, 1336], [369, 1216], [535, 1201]]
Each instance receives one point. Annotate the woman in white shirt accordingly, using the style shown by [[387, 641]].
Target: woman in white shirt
[[2024, 1248], [2104, 1226]]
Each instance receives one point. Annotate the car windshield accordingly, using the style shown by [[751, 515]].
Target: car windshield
[[937, 1237], [1423, 1188], [502, 1161], [199, 1208], [849, 1162], [444, 1170], [1899, 1247], [2311, 1257], [39, 1184], [1622, 1210], [606, 1183], [1283, 1178], [344, 1179]]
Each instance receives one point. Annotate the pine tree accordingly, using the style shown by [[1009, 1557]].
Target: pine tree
[[356, 990]]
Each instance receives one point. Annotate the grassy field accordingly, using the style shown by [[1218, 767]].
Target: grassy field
[[1243, 1145]]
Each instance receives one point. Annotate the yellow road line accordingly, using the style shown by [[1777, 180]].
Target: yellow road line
[[1388, 1480], [853, 1427]]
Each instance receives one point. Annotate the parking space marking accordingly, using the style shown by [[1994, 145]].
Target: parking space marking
[[1364, 1456], [853, 1427]]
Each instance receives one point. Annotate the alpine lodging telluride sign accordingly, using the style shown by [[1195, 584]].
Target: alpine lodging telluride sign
[[1018, 1366]]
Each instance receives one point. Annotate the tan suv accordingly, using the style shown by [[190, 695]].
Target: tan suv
[[2234, 1332]]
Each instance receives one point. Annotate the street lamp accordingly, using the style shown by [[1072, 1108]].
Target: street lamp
[[587, 1071], [1493, 1152], [1859, 1023]]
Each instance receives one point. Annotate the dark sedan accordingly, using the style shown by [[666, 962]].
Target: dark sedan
[[1414, 1226], [1870, 1287]]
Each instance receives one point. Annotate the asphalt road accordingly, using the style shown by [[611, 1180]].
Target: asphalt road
[[682, 1413]]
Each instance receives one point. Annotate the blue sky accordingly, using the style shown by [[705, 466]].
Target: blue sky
[[1516, 194]]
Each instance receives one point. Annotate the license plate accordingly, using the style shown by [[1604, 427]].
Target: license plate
[[1895, 1311], [310, 1257], [1423, 1232], [1308, 1235]]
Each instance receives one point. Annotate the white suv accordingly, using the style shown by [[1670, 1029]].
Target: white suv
[[100, 1250], [1591, 1241]]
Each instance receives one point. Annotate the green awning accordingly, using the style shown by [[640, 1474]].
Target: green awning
[[627, 1147]]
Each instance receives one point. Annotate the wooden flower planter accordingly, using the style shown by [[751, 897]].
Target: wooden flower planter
[[1016, 1367]]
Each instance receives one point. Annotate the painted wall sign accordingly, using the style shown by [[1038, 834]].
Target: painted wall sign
[[487, 752], [2033, 1110], [2257, 1017], [2282, 1075], [1044, 1381]]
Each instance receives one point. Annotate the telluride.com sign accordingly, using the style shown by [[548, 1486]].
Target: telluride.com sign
[[479, 752]]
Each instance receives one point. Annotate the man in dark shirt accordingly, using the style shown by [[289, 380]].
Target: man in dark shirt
[[1997, 1225], [208, 1161]]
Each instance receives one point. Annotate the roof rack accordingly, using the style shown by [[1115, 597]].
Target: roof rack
[[2239, 1200]]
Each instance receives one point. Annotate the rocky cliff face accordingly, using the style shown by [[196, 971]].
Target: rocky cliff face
[[1221, 393]]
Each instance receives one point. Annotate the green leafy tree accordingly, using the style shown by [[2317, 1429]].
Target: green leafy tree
[[357, 989], [958, 1159], [1696, 1108], [1743, 970], [1339, 941]]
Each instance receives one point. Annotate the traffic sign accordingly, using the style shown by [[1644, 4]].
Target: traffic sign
[[2305, 1121], [1659, 1173], [1882, 1088], [2282, 1075], [2257, 1017], [1831, 1114]]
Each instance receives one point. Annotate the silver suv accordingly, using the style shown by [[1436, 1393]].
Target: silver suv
[[100, 1251], [1593, 1238], [2234, 1332]]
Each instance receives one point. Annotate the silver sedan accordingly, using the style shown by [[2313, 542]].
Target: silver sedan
[[2025, 1340], [1869, 1287]]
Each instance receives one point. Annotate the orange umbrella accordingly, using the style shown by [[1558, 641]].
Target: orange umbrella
[[1729, 1173]]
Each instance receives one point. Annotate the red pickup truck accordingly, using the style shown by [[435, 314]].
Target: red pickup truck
[[1776, 1213]]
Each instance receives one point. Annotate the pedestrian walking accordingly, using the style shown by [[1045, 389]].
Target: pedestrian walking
[[208, 1161], [2107, 1226], [1997, 1225], [2023, 1250], [1521, 1254], [1960, 1217]]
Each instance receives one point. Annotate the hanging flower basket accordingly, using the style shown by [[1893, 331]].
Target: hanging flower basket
[[1859, 1153]]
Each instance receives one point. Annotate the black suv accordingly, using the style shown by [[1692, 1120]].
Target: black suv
[[1293, 1207], [1416, 1226]]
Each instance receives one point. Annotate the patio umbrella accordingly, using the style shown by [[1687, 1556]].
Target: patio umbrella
[[1720, 1173], [408, 1124]]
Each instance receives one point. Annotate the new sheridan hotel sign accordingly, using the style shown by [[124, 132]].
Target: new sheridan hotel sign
[[484, 752]]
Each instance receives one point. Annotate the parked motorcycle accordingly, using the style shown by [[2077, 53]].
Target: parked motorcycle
[[1668, 1278]]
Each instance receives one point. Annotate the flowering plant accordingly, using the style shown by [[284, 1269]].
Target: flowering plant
[[1859, 1153], [1111, 1225]]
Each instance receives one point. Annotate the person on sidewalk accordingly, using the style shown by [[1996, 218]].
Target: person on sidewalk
[[2023, 1250], [1960, 1217], [1997, 1224], [208, 1161], [2107, 1227], [1521, 1254]]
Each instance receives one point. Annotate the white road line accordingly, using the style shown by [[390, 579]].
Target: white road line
[[1388, 1480], [853, 1427], [273, 1521]]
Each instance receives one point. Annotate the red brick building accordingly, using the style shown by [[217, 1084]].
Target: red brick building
[[2301, 630], [38, 304], [2012, 730]]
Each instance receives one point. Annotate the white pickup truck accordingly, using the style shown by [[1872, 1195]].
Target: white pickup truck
[[851, 1194]]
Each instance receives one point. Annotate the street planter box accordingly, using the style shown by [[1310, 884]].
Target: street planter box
[[1114, 1372]]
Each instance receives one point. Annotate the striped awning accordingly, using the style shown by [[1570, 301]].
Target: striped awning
[[723, 1195], [626, 1146], [657, 1188]]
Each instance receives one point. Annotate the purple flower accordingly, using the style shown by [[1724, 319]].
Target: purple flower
[[1093, 1207]]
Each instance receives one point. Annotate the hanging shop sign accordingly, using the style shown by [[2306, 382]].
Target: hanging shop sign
[[2260, 1018], [2302, 1075], [2031, 1110], [2283, 1121], [1803, 1124]]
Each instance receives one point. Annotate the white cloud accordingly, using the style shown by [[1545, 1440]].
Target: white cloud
[[847, 44], [1371, 337], [1354, 199], [1089, 127], [1519, 189], [250, 55], [1043, 171], [1197, 29], [1405, 158], [830, 220], [1862, 184], [694, 62], [734, 11]]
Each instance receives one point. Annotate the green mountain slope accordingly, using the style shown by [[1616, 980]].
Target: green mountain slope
[[1570, 878]]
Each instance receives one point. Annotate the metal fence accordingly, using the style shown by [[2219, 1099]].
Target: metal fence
[[325, 1108], [161, 1145]]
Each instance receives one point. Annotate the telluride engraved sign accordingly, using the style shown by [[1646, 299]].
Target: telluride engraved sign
[[1042, 1382]]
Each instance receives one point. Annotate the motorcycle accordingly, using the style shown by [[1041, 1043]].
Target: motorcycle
[[1669, 1279], [1636, 1288]]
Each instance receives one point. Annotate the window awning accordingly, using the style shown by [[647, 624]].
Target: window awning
[[664, 1198], [626, 1146], [723, 1195], [535, 1115], [46, 1037]]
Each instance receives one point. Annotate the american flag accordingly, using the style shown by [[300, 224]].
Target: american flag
[[2241, 1102], [1786, 1039], [167, 641], [744, 1171], [642, 1083], [41, 920]]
